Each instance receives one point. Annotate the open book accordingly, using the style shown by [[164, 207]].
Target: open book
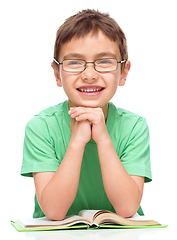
[[86, 219]]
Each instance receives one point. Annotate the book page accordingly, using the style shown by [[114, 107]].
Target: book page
[[44, 221], [89, 214], [137, 217]]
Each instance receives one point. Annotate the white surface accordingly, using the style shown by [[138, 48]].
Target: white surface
[[27, 86], [125, 234]]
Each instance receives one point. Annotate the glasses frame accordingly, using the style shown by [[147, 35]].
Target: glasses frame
[[61, 63]]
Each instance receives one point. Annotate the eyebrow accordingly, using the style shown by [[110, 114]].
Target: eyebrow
[[73, 55], [81, 56], [106, 54]]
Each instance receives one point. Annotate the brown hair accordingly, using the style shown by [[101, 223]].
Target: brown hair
[[86, 21]]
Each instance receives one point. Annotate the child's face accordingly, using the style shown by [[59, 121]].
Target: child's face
[[90, 88]]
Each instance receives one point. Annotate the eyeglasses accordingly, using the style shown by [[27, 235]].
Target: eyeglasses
[[79, 65]]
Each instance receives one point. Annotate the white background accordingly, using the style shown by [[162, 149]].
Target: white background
[[27, 86]]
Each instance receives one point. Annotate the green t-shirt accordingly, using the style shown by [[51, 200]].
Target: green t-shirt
[[46, 140]]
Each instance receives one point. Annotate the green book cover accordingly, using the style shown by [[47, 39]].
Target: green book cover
[[87, 219], [20, 229]]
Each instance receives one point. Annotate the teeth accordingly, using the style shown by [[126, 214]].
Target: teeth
[[90, 90]]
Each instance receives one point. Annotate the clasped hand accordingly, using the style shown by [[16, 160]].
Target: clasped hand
[[87, 123]]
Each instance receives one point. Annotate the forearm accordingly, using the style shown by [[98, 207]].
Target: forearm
[[122, 191], [60, 192]]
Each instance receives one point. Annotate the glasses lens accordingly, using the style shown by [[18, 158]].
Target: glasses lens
[[106, 64], [73, 65]]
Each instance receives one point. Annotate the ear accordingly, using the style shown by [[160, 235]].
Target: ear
[[57, 75], [125, 73]]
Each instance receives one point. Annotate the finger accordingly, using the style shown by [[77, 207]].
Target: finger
[[74, 109], [87, 116], [75, 112], [94, 115]]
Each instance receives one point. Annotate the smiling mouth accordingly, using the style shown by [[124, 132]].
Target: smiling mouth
[[90, 89]]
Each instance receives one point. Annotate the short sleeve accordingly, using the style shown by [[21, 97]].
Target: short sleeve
[[136, 154], [38, 150]]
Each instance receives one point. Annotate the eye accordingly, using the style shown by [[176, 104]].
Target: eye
[[71, 62], [104, 62]]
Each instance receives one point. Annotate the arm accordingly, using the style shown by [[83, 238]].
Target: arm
[[56, 191], [124, 191]]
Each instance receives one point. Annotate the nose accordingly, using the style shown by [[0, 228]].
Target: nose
[[89, 74]]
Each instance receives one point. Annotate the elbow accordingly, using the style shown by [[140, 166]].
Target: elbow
[[127, 212], [52, 211], [128, 209], [54, 215]]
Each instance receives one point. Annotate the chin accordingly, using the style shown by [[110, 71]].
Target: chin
[[87, 104]]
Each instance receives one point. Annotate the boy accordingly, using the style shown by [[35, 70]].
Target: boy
[[85, 153]]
